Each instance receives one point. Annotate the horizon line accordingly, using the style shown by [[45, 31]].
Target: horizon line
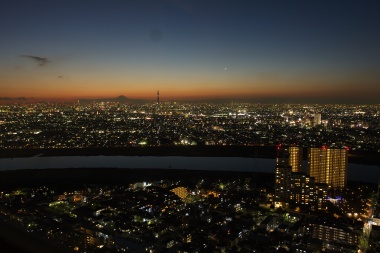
[[262, 100]]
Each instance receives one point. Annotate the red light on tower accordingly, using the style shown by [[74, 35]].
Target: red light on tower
[[323, 147]]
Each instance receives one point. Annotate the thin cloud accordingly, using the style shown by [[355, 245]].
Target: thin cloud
[[40, 60]]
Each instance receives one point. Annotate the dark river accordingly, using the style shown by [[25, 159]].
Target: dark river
[[357, 172]]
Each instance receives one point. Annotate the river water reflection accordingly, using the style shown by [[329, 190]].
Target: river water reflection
[[357, 172]]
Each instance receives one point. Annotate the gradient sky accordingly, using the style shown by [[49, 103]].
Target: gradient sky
[[266, 51]]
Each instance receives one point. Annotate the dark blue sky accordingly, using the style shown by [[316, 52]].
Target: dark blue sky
[[286, 51]]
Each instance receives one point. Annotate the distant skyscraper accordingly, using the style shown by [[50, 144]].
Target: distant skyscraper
[[328, 165], [158, 97], [317, 119], [290, 155]]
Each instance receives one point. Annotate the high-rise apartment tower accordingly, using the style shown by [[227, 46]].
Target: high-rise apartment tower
[[290, 155], [328, 165]]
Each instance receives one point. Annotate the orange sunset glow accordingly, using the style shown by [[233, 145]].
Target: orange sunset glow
[[204, 51]]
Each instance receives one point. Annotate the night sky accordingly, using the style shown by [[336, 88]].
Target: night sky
[[261, 51]]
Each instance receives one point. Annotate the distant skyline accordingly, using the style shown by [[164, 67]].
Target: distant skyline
[[263, 51]]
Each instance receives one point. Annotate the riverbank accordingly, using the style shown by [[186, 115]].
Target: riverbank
[[74, 177], [199, 151]]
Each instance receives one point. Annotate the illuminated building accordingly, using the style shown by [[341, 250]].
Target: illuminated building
[[298, 189], [302, 189], [78, 198], [329, 231], [180, 192], [212, 193], [317, 119], [328, 165], [186, 238], [290, 155], [320, 196], [282, 185]]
